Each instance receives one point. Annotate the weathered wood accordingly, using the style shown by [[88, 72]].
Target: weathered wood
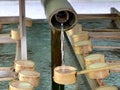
[[106, 47], [9, 75], [5, 38], [22, 29], [115, 11], [97, 16], [7, 79], [14, 19], [117, 21], [9, 19], [113, 62], [107, 88], [105, 35], [101, 30], [1, 28]]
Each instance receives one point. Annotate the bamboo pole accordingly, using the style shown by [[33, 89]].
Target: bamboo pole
[[23, 30]]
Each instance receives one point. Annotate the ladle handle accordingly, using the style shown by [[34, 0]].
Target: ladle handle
[[18, 50], [98, 69]]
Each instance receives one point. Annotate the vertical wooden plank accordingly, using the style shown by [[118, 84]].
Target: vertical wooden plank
[[22, 30], [56, 56]]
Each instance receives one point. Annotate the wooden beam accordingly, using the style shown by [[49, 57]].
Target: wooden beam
[[9, 19], [5, 38], [13, 19], [23, 30], [97, 16], [101, 30], [106, 47], [104, 35], [5, 68]]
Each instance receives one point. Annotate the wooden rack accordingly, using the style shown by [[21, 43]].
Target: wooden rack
[[5, 38], [114, 16]]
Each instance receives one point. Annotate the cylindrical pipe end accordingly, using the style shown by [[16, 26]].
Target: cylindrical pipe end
[[66, 17]]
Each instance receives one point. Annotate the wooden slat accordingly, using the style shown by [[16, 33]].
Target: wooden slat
[[13, 19], [106, 47], [101, 30], [7, 79], [105, 35], [97, 16], [7, 69], [114, 62], [5, 38], [9, 19]]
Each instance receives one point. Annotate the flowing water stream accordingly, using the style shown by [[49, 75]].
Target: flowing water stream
[[62, 47]]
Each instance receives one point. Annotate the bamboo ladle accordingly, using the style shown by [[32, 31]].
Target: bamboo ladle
[[6, 73], [71, 77], [15, 35]]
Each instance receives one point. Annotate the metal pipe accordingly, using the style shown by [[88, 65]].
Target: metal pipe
[[59, 11]]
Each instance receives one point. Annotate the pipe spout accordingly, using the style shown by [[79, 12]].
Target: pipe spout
[[60, 11]]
